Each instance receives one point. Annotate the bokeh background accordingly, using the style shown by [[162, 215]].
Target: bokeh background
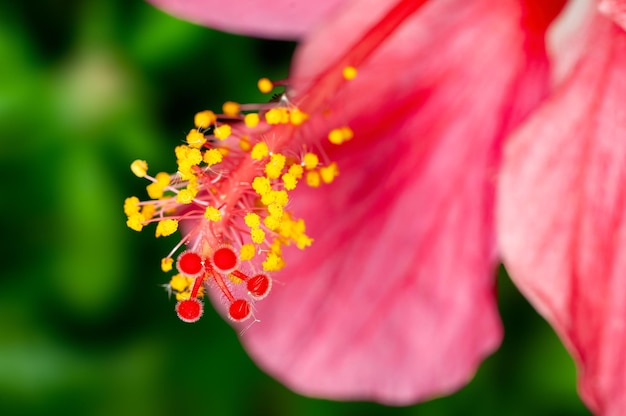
[[85, 327]]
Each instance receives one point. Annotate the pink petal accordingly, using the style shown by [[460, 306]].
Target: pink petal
[[615, 9], [395, 300], [561, 210], [280, 19]]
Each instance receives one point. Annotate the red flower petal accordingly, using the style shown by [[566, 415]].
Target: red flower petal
[[616, 10], [395, 299], [562, 204], [280, 19]]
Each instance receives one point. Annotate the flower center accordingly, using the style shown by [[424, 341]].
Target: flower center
[[232, 188]]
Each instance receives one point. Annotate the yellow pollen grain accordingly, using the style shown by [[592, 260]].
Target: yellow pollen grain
[[166, 264], [139, 168], [281, 198], [340, 135], [303, 241], [349, 72], [261, 185], [273, 262], [212, 157], [131, 206], [252, 220], [163, 178], [204, 119], [247, 252], [185, 196], [166, 227], [148, 211], [275, 166], [212, 214], [310, 161], [230, 108], [275, 210], [277, 116], [296, 171], [251, 120], [347, 133], [268, 197], [223, 132], [244, 144], [195, 138], [297, 117], [135, 222], [179, 283], [182, 296], [329, 173], [271, 222], [335, 136], [289, 181], [259, 151], [155, 190], [257, 235], [265, 85], [313, 179]]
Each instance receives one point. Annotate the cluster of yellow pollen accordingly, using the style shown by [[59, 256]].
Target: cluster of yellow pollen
[[230, 199]]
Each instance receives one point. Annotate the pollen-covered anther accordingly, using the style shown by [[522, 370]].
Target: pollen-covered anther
[[277, 115], [265, 85], [329, 173], [212, 214], [259, 286], [190, 264], [231, 108], [166, 227], [189, 310], [349, 72], [251, 120], [275, 166], [257, 235], [313, 179], [166, 264], [195, 139], [222, 132], [139, 168], [310, 160], [340, 135], [252, 220], [297, 117], [247, 252], [239, 310], [204, 119], [261, 185], [259, 151], [212, 157], [224, 260], [289, 181]]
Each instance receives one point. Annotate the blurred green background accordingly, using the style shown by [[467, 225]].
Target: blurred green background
[[86, 329]]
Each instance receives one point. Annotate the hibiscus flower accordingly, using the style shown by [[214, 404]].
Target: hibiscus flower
[[455, 150]]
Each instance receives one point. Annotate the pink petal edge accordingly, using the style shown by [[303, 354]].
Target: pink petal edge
[[279, 19], [561, 210], [395, 301]]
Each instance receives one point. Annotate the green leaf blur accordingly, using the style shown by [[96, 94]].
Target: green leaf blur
[[85, 88]]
